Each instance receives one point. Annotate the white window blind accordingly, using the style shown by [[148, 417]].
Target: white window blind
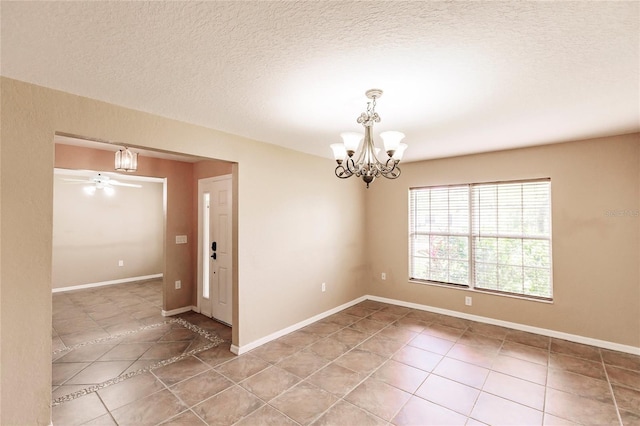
[[512, 237], [439, 234], [494, 237]]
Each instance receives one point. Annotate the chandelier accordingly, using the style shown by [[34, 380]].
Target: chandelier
[[366, 163], [126, 161]]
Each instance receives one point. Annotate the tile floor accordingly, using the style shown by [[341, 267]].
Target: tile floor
[[371, 364]]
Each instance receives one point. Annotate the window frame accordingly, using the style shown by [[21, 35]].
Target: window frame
[[473, 233]]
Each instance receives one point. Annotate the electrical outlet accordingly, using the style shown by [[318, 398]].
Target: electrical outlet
[[178, 285], [120, 262], [324, 287], [383, 276], [468, 300]]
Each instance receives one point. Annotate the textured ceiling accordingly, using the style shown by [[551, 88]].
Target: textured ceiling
[[459, 77]]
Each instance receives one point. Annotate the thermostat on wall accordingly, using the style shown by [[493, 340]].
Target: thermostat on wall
[[181, 239]]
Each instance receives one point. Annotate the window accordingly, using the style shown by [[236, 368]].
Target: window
[[493, 237]]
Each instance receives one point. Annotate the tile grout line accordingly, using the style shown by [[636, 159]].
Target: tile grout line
[[106, 408], [302, 379], [485, 382], [503, 340], [481, 390], [176, 396], [431, 372], [318, 416], [300, 349], [369, 375], [546, 383], [613, 395], [405, 344]]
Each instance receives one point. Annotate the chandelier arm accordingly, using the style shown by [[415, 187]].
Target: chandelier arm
[[395, 174], [391, 169], [356, 166], [351, 166], [343, 173], [378, 167], [389, 166]]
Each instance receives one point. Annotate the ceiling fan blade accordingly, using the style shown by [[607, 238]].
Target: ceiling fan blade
[[76, 180], [117, 183]]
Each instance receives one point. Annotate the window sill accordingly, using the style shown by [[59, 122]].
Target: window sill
[[466, 288]]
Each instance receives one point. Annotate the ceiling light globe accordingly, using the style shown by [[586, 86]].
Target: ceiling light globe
[[391, 141], [397, 155], [339, 152], [351, 141]]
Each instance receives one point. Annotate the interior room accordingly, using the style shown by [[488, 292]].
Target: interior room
[[481, 267]]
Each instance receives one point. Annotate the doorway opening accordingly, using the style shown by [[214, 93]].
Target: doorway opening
[[180, 234]]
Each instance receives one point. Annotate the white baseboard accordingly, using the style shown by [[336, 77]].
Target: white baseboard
[[522, 327], [103, 283], [178, 311], [239, 350]]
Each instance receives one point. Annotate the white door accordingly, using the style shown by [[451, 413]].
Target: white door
[[215, 248]]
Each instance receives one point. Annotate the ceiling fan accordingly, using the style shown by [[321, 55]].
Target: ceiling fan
[[100, 181]]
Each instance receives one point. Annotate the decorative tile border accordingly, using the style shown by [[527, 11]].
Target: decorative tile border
[[214, 340]]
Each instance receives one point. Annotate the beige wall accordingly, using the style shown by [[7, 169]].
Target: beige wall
[[91, 233], [297, 224], [596, 282]]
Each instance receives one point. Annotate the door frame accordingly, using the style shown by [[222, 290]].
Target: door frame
[[200, 254]]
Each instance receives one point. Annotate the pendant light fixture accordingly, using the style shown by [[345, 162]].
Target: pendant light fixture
[[126, 160], [366, 164]]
